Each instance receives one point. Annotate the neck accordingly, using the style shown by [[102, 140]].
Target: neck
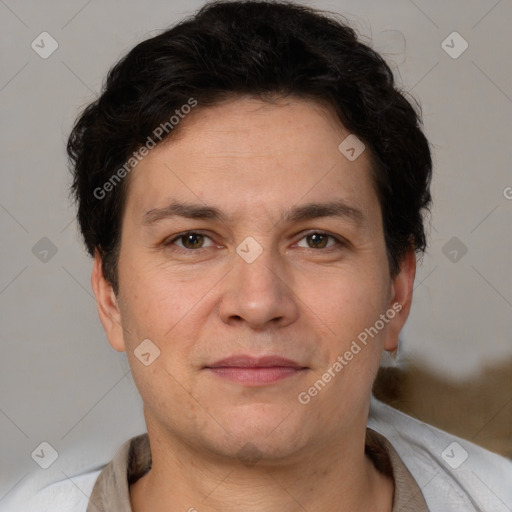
[[334, 477]]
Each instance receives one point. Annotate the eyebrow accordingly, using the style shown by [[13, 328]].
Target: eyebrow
[[338, 208]]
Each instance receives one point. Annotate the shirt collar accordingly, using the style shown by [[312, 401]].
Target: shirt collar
[[111, 491]]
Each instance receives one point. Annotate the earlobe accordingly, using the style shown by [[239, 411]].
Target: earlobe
[[107, 304], [401, 299]]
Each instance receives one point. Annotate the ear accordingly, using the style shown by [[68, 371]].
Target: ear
[[401, 299], [107, 304]]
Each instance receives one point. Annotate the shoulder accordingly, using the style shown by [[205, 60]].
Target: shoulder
[[68, 484], [71, 494], [454, 474]]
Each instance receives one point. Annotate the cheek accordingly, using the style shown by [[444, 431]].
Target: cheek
[[156, 314], [171, 311], [156, 298], [166, 395], [345, 300]]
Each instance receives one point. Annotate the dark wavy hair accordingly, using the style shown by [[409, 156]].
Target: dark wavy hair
[[265, 49]]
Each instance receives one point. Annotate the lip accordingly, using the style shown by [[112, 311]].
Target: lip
[[255, 371], [244, 361]]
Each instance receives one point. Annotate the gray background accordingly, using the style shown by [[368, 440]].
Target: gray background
[[60, 380]]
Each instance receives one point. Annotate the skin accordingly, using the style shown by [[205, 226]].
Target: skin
[[302, 298]]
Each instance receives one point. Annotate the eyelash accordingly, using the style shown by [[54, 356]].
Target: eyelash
[[169, 243]]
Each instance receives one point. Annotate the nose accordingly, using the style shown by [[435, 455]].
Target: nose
[[258, 293]]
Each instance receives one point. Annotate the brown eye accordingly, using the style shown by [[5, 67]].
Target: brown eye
[[317, 240], [191, 240]]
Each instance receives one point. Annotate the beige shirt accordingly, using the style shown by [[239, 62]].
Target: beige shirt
[[111, 492]]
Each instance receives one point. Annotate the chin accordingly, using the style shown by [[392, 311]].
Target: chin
[[268, 429]]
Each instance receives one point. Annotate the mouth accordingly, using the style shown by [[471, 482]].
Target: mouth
[[256, 371]]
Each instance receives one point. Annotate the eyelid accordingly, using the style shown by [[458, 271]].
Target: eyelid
[[172, 241], [339, 239]]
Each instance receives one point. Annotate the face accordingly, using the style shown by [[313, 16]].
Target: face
[[253, 259]]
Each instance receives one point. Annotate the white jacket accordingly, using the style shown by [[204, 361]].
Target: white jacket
[[454, 475]]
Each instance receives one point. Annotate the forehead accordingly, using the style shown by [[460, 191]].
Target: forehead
[[247, 153]]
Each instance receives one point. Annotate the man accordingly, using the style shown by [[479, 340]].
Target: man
[[252, 187]]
